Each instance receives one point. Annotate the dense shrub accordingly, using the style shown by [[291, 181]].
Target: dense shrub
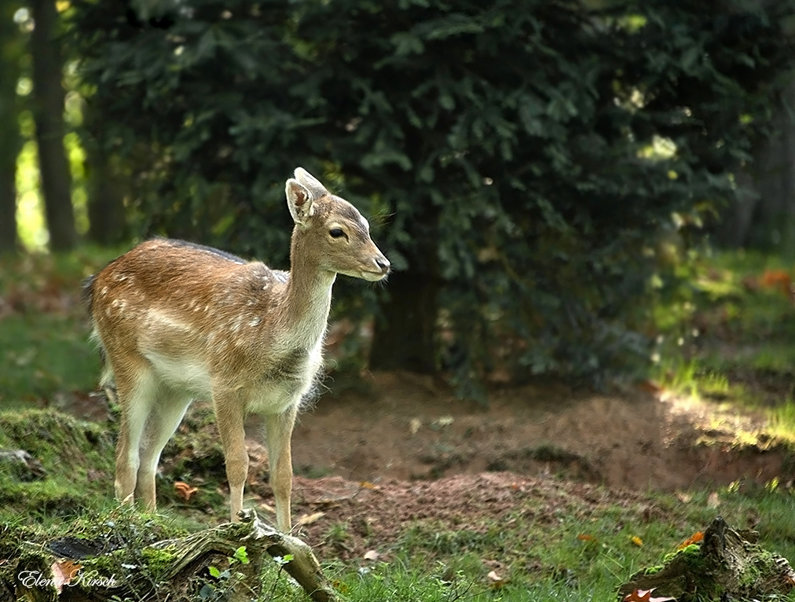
[[527, 159]]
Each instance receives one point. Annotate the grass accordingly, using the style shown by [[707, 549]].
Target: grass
[[44, 345], [581, 548], [730, 337], [730, 342]]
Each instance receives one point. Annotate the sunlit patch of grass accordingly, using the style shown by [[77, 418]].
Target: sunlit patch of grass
[[690, 378], [782, 421], [732, 341]]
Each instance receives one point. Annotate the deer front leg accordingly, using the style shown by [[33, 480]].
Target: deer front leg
[[279, 431], [230, 419]]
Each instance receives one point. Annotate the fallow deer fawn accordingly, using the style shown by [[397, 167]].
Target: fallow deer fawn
[[178, 321]]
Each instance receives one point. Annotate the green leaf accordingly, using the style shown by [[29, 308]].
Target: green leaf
[[241, 555], [407, 43]]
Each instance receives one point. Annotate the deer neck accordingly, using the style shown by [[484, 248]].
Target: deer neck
[[308, 299]]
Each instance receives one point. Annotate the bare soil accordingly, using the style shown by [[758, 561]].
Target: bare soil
[[403, 448], [410, 427]]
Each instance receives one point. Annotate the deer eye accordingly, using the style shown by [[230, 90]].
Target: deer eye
[[336, 233]]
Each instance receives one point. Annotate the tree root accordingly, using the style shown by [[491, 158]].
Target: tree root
[[173, 569], [728, 565]]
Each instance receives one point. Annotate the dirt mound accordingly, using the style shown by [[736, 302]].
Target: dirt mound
[[410, 427], [343, 518]]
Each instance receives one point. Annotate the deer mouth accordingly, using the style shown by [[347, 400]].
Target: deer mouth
[[374, 276]]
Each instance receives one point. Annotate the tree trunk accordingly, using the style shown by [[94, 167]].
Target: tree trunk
[[764, 214], [48, 108], [10, 52], [105, 186], [405, 333], [106, 218], [8, 189]]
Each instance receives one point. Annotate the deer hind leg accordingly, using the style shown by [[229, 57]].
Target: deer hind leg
[[136, 393], [163, 420], [279, 432], [229, 415]]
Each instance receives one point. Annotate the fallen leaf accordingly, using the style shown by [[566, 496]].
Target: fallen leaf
[[644, 595], [695, 538], [778, 280], [63, 572], [636, 540], [371, 555], [308, 519], [414, 425], [713, 501], [367, 485], [684, 497], [184, 490], [586, 537]]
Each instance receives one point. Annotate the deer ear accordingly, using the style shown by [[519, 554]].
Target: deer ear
[[299, 201], [310, 182]]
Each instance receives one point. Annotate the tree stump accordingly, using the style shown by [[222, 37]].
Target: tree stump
[[728, 565], [176, 569]]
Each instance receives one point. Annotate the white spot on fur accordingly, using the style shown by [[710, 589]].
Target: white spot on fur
[[163, 320], [255, 321], [237, 323]]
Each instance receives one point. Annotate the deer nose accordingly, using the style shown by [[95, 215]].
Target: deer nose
[[382, 263]]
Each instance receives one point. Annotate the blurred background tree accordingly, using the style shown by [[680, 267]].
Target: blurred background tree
[[11, 53], [534, 170], [48, 115]]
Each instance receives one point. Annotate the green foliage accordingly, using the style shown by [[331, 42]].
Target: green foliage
[[529, 159]]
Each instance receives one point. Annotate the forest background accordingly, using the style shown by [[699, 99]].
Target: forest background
[[539, 174]]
